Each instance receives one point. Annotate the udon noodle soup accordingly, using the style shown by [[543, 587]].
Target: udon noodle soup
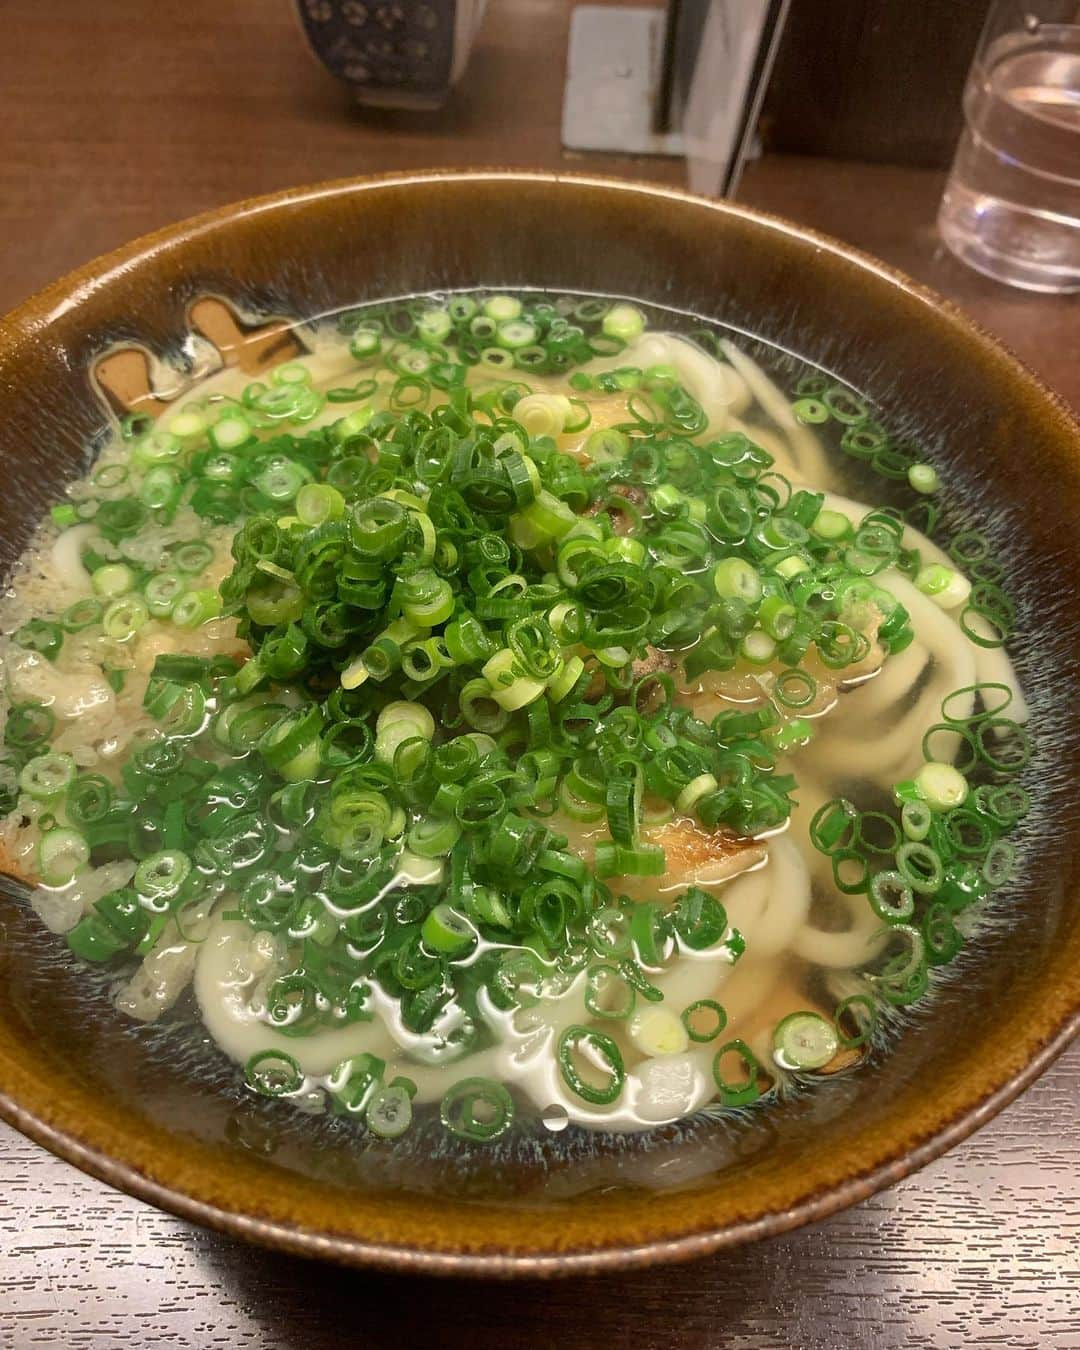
[[503, 712]]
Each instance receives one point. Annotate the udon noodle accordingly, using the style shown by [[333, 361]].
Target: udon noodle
[[504, 709]]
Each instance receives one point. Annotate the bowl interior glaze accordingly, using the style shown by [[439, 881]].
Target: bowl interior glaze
[[151, 1111]]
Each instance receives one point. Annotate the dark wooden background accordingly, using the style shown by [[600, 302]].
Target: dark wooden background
[[120, 116], [873, 79]]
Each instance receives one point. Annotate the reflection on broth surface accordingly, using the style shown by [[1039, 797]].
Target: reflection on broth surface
[[501, 718]]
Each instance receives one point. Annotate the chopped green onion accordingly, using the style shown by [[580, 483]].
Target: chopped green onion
[[924, 478], [160, 878], [47, 776], [81, 614], [113, 580], [446, 931], [658, 1031], [948, 588], [857, 1009], [608, 994], [192, 557], [123, 618], [543, 414], [40, 636], [831, 525], [477, 1109], [273, 1074], [591, 1064], [804, 1040], [318, 502], [162, 592], [625, 322], [62, 854], [433, 838], [742, 1089], [734, 579], [389, 1111], [502, 307], [515, 334], [892, 897], [941, 786], [188, 426], [230, 432], [434, 325], [196, 608], [704, 1019]]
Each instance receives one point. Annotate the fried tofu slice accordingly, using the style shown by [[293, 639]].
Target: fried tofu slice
[[15, 868], [622, 522], [695, 856]]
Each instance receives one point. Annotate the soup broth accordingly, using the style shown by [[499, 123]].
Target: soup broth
[[519, 712]]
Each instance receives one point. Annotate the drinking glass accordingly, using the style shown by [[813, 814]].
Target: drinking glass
[[1011, 207]]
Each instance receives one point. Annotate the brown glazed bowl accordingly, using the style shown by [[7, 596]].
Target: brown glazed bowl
[[139, 1108]]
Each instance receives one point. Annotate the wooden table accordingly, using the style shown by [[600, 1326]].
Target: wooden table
[[121, 116]]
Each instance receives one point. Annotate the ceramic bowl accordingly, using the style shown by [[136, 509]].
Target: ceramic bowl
[[153, 1113]]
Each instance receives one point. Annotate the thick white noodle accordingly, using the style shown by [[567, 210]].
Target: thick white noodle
[[788, 899], [878, 696], [854, 946], [992, 665], [67, 560], [897, 749], [912, 538], [805, 446], [747, 897], [719, 389], [753, 982], [167, 971], [230, 965], [776, 445]]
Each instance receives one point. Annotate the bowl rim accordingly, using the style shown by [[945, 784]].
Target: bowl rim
[[33, 315]]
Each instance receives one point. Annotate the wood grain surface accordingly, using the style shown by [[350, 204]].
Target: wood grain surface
[[120, 116], [852, 79]]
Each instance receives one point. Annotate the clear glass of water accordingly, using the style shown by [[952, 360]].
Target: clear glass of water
[[1011, 208]]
